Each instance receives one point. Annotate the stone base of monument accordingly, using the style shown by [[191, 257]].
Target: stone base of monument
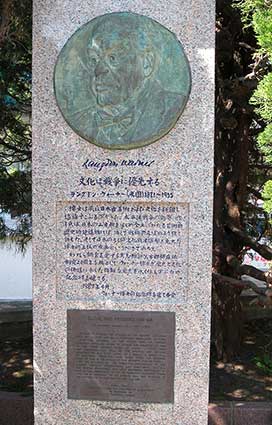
[[18, 410]]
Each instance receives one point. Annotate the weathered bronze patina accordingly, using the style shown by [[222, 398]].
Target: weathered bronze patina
[[122, 81], [121, 355]]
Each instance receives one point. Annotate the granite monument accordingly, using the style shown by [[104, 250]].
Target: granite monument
[[122, 211]]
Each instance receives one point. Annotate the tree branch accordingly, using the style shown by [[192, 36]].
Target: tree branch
[[6, 15], [241, 269], [264, 294], [264, 250]]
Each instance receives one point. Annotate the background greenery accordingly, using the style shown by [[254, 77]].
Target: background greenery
[[15, 118]]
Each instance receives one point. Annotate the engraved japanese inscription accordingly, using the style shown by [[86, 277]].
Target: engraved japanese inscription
[[133, 251], [122, 81], [121, 355]]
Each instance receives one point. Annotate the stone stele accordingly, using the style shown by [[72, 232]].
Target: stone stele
[[122, 237], [122, 81]]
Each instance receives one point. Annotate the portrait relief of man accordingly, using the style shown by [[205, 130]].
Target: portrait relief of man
[[122, 65]]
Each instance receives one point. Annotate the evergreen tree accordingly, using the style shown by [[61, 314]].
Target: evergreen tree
[[242, 161], [15, 117]]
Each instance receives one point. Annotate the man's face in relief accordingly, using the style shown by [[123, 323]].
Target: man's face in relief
[[119, 66]]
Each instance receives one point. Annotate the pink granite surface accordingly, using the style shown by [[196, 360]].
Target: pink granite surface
[[183, 163]]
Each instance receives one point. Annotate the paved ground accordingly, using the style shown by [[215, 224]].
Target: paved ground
[[249, 376]]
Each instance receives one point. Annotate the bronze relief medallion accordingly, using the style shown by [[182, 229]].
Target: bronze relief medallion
[[122, 81]]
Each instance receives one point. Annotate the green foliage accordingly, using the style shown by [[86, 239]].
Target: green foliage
[[15, 192], [265, 143], [262, 98], [262, 24], [258, 14], [15, 116], [264, 363], [267, 196], [15, 85], [248, 7]]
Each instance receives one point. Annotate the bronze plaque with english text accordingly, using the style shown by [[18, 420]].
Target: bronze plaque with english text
[[121, 355]]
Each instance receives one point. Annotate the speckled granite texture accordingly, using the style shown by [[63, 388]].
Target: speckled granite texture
[[183, 164]]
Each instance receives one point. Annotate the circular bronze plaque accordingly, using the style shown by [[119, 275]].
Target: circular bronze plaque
[[122, 81]]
